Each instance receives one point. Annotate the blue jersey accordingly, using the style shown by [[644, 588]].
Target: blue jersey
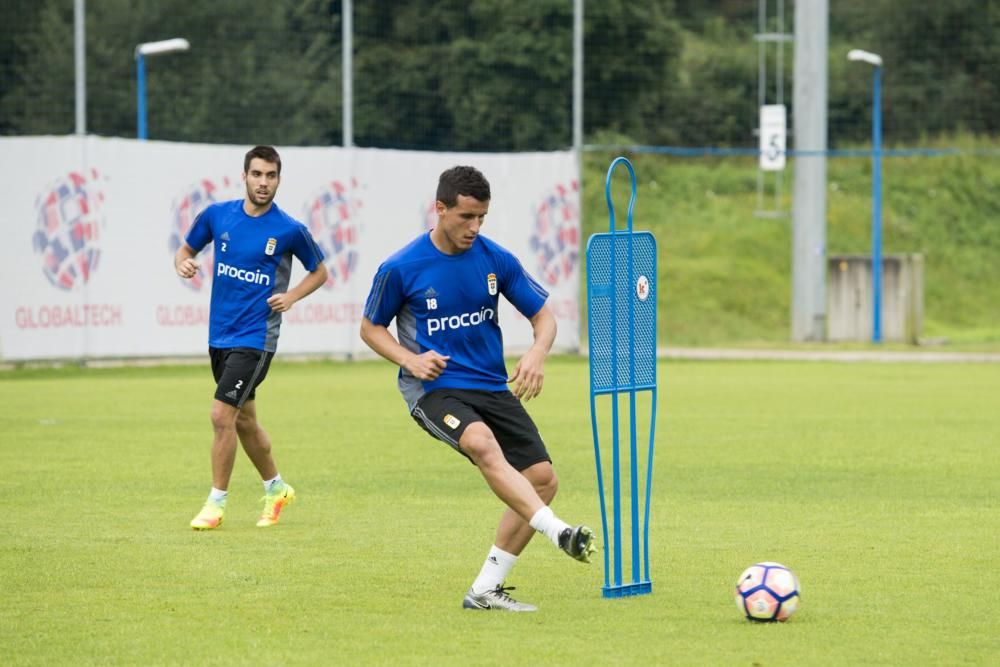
[[253, 260], [450, 304]]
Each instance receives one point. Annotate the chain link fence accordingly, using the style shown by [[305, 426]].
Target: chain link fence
[[493, 75]]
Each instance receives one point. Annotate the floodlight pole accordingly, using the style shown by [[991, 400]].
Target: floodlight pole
[[141, 51], [876, 62], [80, 60], [347, 72]]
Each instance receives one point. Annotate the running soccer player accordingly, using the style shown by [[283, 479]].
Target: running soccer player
[[443, 291], [254, 244]]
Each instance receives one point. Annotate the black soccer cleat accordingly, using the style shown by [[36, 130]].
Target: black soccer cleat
[[578, 542]]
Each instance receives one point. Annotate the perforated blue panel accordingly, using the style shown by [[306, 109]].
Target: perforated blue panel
[[622, 326]]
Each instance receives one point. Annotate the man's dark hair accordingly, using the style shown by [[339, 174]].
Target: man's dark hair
[[265, 153], [467, 181]]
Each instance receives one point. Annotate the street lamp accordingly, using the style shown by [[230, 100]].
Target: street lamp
[[875, 60], [151, 49]]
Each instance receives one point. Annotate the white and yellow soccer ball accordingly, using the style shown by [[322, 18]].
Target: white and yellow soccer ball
[[767, 592]]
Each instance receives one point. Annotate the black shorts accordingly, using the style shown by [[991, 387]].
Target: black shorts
[[238, 372], [446, 413]]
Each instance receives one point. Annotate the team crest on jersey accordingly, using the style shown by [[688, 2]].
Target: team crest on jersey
[[271, 244], [491, 283], [452, 421]]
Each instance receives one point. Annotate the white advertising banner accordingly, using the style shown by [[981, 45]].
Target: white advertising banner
[[91, 226]]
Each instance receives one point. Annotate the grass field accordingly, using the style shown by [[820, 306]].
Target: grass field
[[877, 484]]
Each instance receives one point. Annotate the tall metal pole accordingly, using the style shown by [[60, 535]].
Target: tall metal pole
[[80, 55], [140, 73], [761, 87], [347, 74], [809, 194], [877, 205], [875, 60], [578, 94], [578, 77]]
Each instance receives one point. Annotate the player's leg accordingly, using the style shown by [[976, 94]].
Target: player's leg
[[452, 416], [459, 418], [518, 493], [255, 441], [513, 488], [223, 456], [237, 372], [223, 443], [257, 445], [514, 533], [446, 418], [524, 450]]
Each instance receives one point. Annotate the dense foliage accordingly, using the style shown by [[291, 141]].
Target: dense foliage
[[486, 74]]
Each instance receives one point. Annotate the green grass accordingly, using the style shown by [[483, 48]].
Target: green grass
[[877, 484], [725, 274]]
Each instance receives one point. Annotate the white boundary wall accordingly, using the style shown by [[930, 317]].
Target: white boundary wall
[[90, 227]]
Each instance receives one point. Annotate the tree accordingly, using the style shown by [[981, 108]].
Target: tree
[[255, 72], [484, 74]]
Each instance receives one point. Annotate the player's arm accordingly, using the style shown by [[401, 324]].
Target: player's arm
[[426, 366], [529, 374], [184, 261], [310, 283]]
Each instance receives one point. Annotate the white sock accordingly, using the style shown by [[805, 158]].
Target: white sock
[[218, 495], [274, 480], [495, 570], [546, 522]]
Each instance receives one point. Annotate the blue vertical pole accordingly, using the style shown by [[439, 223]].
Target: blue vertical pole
[[877, 207], [616, 481], [140, 66]]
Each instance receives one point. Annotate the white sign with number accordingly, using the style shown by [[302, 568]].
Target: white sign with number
[[772, 137]]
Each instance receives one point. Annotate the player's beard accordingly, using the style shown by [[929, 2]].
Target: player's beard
[[259, 199]]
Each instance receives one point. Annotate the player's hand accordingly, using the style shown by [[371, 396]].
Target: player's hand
[[187, 268], [427, 366], [281, 303], [528, 376]]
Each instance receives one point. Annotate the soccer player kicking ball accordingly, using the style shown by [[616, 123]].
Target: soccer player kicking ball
[[443, 290], [254, 244]]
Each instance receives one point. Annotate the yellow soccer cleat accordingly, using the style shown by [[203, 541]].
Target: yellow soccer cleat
[[209, 517], [274, 502]]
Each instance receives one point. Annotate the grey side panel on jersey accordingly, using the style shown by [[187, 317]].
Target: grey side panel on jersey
[[281, 277], [406, 328]]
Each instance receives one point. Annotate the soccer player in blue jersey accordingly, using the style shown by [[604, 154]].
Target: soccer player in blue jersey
[[254, 245], [443, 290]]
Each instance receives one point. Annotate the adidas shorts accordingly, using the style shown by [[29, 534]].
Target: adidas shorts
[[446, 413], [238, 372]]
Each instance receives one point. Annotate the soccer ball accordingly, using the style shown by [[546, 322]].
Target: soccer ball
[[767, 592]]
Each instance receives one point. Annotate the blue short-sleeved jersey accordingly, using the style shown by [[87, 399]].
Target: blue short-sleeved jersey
[[449, 304], [253, 260]]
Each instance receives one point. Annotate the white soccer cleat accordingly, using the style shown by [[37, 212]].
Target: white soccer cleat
[[495, 599]]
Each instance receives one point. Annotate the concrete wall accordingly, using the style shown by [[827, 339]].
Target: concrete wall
[[849, 298]]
